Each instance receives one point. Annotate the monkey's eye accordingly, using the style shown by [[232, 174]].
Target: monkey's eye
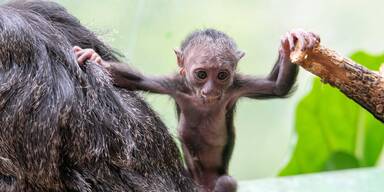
[[223, 75], [201, 75]]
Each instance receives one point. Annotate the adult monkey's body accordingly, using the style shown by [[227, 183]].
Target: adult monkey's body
[[63, 130], [206, 92]]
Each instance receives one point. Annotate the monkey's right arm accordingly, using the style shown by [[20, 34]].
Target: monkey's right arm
[[126, 77]]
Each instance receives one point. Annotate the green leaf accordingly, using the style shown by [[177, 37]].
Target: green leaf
[[341, 160], [333, 131]]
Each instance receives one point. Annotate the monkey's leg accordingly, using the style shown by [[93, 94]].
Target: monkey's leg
[[192, 166], [225, 183]]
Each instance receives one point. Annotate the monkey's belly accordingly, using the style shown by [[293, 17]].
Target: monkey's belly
[[203, 132], [208, 154], [205, 138]]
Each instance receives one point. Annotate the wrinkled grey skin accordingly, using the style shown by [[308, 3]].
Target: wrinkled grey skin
[[65, 130]]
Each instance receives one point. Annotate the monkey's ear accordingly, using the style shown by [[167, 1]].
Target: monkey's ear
[[239, 54], [179, 56]]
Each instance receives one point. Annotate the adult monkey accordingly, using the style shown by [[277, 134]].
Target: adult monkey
[[65, 130]]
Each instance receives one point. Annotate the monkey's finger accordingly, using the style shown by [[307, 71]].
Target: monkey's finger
[[77, 49], [285, 43], [313, 40], [317, 37], [301, 39], [93, 57], [291, 41], [85, 56], [79, 53], [98, 60], [308, 40]]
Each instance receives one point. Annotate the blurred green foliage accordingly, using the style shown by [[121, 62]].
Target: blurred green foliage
[[333, 131]]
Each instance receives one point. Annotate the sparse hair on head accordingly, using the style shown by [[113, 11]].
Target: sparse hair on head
[[216, 41], [207, 35]]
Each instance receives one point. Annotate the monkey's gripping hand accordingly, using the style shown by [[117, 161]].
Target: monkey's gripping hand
[[124, 76], [297, 37], [285, 72], [281, 79], [83, 55], [116, 70]]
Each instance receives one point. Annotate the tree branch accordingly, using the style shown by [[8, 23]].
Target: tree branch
[[364, 86]]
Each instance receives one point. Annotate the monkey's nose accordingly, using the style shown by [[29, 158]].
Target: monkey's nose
[[206, 93]]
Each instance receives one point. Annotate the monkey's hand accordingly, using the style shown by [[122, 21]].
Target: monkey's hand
[[83, 55], [298, 37]]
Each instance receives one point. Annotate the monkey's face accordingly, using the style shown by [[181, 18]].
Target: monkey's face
[[209, 77]]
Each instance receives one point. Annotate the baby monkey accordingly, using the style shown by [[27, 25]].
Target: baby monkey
[[206, 90]]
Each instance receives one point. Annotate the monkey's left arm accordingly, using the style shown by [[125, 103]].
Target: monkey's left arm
[[277, 84], [280, 81]]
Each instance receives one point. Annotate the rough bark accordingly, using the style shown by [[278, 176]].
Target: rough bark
[[364, 86]]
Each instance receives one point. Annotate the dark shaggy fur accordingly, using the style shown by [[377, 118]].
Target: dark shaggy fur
[[65, 130]]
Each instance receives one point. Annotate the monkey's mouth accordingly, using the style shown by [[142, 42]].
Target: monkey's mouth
[[211, 99]]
